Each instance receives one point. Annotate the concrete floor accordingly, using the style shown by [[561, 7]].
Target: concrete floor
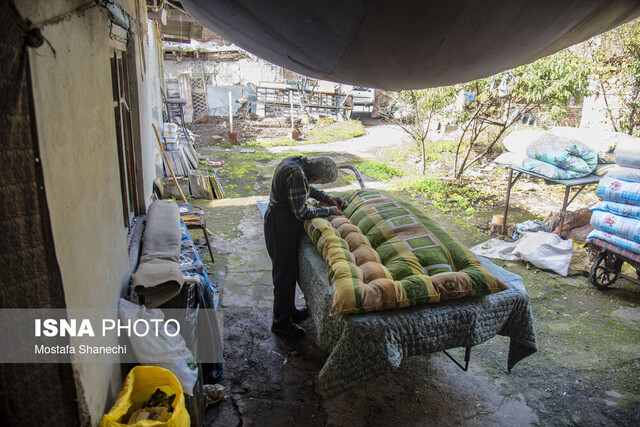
[[271, 381], [586, 372]]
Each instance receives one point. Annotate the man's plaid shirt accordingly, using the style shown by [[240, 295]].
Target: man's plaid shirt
[[296, 190], [299, 192]]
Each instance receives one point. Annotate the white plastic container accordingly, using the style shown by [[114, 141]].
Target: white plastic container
[[172, 145], [170, 130]]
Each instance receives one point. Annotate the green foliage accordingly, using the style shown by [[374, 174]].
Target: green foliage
[[445, 196], [270, 142], [546, 85], [420, 103], [379, 170], [552, 82], [426, 185], [435, 150], [337, 131]]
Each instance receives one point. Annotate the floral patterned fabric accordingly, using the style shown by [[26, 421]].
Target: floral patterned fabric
[[617, 219], [631, 211], [563, 155], [627, 228], [619, 191], [621, 242]]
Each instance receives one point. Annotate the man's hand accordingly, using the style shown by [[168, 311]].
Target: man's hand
[[335, 210], [340, 202]]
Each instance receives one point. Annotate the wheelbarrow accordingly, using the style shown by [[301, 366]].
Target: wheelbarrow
[[608, 263]]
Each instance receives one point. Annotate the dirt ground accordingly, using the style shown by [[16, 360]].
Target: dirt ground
[[247, 129], [586, 371]]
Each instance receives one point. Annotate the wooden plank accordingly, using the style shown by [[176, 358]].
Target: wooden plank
[[192, 155], [217, 187], [200, 186], [175, 164], [185, 159], [216, 190], [183, 163], [176, 159]]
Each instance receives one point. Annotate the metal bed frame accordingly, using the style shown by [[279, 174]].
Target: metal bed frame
[[568, 183]]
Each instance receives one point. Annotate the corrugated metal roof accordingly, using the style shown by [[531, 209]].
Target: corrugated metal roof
[[179, 27]]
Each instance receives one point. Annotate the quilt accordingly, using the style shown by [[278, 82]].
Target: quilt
[[386, 254], [621, 226], [618, 241], [630, 211], [619, 191], [554, 155], [564, 153]]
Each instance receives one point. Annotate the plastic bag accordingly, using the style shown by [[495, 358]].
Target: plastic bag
[[527, 227], [496, 248], [519, 141], [140, 384], [546, 251], [162, 350]]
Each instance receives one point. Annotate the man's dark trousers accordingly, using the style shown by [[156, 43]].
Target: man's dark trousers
[[282, 232]]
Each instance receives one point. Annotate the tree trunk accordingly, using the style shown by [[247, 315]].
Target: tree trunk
[[424, 158], [423, 140]]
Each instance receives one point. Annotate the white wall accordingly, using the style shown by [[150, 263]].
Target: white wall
[[250, 69], [150, 106], [76, 132], [594, 111]]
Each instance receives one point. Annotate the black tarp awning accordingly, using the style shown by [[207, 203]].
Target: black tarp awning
[[410, 43]]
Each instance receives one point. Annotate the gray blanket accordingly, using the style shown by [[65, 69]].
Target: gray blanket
[[158, 277], [365, 346]]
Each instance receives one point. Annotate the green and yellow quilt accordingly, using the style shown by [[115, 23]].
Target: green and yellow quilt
[[385, 253]]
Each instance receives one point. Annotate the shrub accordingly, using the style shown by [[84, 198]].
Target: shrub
[[379, 170], [337, 131]]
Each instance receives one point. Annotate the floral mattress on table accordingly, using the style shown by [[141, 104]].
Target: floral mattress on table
[[365, 345], [385, 253]]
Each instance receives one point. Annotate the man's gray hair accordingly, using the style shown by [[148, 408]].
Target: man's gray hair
[[323, 168]]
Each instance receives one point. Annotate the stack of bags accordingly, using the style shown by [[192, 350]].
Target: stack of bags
[[616, 219], [562, 152]]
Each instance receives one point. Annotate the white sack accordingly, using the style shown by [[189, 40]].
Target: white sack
[[496, 248], [158, 350], [518, 141], [546, 251]]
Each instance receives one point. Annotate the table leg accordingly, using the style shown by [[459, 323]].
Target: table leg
[[206, 239], [566, 203], [563, 211], [510, 184]]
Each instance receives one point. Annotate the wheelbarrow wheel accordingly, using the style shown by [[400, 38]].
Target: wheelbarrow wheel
[[605, 270]]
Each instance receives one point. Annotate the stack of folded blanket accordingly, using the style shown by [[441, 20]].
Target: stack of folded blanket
[[562, 152], [616, 219]]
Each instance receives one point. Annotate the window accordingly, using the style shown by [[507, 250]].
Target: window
[[125, 137]]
